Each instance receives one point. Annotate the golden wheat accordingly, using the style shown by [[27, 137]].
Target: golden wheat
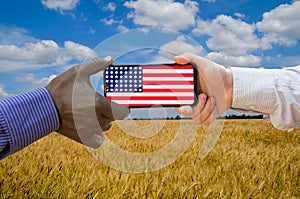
[[250, 160]]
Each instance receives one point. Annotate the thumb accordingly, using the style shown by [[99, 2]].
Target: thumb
[[201, 62], [184, 58], [95, 65]]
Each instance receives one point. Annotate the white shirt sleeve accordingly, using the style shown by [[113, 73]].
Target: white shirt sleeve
[[273, 92]]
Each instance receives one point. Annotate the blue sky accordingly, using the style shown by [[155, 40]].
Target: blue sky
[[43, 38]]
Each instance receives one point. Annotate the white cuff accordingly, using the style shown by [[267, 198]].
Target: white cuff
[[253, 89]]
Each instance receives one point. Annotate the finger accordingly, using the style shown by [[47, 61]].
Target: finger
[[180, 60], [213, 115], [95, 140], [197, 109], [205, 113], [110, 109], [94, 66], [105, 126], [185, 110], [185, 58], [201, 62], [189, 111]]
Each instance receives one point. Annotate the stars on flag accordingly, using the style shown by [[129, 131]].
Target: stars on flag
[[124, 79]]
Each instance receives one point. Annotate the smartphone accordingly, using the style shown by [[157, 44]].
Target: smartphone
[[140, 86]]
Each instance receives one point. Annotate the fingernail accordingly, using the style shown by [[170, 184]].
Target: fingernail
[[186, 110], [108, 58], [179, 109], [202, 98]]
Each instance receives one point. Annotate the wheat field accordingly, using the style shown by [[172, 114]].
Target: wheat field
[[250, 160]]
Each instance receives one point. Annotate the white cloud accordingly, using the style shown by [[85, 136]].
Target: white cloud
[[15, 35], [45, 52], [38, 53], [30, 78], [144, 30], [229, 35], [179, 46], [110, 21], [9, 65], [167, 51], [79, 51], [111, 6], [233, 39], [280, 61], [229, 60], [163, 13], [122, 28], [239, 15], [281, 25], [60, 4], [3, 93]]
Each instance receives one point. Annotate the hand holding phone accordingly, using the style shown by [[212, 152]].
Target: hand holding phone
[[136, 86]]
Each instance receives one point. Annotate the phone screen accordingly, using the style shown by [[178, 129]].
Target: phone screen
[[136, 86]]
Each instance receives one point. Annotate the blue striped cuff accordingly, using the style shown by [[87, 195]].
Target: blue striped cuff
[[26, 118]]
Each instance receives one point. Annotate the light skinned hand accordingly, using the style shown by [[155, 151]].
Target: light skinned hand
[[78, 104], [215, 87], [205, 111]]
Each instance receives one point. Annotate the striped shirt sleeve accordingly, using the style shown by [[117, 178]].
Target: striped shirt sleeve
[[273, 92], [26, 118]]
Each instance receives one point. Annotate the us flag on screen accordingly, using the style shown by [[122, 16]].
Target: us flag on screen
[[150, 85]]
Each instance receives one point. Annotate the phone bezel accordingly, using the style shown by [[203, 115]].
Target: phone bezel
[[196, 83]]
